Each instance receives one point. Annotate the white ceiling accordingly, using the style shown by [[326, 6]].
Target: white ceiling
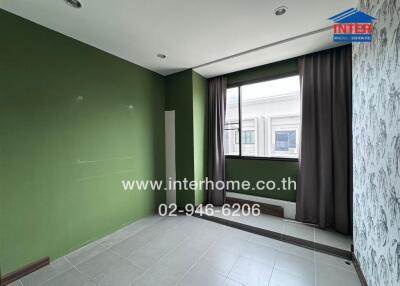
[[191, 33]]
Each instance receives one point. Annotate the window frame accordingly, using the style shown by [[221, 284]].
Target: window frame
[[239, 85]]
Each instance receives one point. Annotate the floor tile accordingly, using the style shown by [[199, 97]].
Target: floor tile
[[40, 276], [237, 233], [322, 258], [70, 278], [250, 272], [199, 278], [121, 274], [294, 229], [126, 247], [152, 278], [84, 253], [282, 278], [266, 241], [108, 267], [114, 238], [295, 265], [230, 282], [332, 276], [334, 239], [298, 230], [297, 250], [260, 253], [150, 253], [165, 273], [271, 223], [216, 260], [191, 251], [143, 223], [231, 243], [172, 267]]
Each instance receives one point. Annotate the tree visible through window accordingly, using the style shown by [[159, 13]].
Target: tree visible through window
[[263, 119]]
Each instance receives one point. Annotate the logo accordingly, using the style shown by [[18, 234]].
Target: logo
[[352, 25]]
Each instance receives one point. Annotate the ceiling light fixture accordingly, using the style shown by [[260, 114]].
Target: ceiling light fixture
[[161, 56], [74, 3], [280, 11]]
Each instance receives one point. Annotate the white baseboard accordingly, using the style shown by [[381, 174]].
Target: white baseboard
[[289, 208]]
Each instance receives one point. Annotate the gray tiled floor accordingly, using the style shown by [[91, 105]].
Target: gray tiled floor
[[291, 228], [190, 251]]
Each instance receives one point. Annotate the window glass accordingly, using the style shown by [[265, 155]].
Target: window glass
[[231, 129], [285, 140], [270, 119]]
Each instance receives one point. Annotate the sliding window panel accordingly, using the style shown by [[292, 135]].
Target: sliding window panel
[[270, 118], [232, 126]]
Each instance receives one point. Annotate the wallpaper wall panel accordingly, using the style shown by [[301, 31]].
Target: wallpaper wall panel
[[376, 131]]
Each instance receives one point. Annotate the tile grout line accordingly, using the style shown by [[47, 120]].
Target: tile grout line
[[127, 260], [148, 243], [101, 245], [133, 233], [230, 271], [142, 247], [272, 273], [233, 265], [275, 260], [197, 261], [162, 256], [76, 268]]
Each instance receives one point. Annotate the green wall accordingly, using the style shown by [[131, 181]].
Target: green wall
[[68, 138], [200, 94], [263, 170], [263, 72], [254, 170], [186, 93], [179, 88]]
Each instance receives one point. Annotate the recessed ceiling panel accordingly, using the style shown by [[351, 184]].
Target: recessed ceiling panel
[[189, 32]]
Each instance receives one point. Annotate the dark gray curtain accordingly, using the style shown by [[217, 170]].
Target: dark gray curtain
[[216, 121], [325, 193]]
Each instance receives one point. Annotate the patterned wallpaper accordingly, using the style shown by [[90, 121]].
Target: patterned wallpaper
[[376, 132]]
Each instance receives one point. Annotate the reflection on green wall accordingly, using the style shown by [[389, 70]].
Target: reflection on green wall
[[74, 122], [253, 170], [263, 170]]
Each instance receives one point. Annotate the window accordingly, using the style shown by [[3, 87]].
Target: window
[[285, 140], [231, 145], [263, 119], [248, 137]]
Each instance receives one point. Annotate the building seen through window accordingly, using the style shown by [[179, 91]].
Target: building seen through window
[[266, 115]]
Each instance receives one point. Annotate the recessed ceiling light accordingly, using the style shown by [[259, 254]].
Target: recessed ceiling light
[[280, 11], [74, 3], [161, 56]]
